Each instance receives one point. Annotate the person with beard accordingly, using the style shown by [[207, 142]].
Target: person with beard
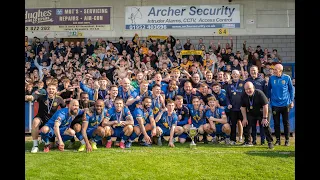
[[126, 91], [138, 80], [197, 113], [158, 80], [187, 93], [92, 127], [234, 92], [183, 116], [101, 91], [217, 121], [119, 122], [166, 122], [172, 90], [144, 124], [109, 101], [48, 105], [84, 102], [59, 126]]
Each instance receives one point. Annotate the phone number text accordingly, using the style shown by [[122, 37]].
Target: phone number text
[[147, 26]]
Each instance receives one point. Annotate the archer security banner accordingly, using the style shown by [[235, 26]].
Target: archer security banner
[[182, 17]]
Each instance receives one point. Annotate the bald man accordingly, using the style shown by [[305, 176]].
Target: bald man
[[59, 126], [251, 104], [259, 83], [281, 95], [127, 92]]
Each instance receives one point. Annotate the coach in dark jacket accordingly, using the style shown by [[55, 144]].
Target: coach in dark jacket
[[254, 105]]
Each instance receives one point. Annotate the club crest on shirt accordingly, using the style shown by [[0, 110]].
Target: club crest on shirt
[[55, 104], [283, 82], [221, 99], [155, 110], [196, 117], [240, 85], [182, 112], [94, 123], [274, 82]]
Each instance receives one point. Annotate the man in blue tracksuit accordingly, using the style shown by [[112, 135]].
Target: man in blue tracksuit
[[281, 95]]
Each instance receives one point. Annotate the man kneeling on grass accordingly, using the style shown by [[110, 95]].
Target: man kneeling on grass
[[119, 122], [167, 124], [217, 121], [59, 126], [93, 126], [144, 124]]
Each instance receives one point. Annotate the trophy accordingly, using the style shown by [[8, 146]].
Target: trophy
[[192, 133]]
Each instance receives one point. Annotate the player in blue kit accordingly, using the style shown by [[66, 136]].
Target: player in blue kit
[[144, 124], [140, 93], [217, 121], [158, 80], [172, 90], [187, 94], [59, 125], [183, 116], [120, 122], [157, 100], [197, 113], [92, 128], [167, 123]]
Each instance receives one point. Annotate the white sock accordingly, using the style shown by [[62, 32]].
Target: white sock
[[122, 140], [35, 143], [82, 141]]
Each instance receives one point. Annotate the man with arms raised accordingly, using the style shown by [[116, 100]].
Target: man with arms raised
[[140, 93], [101, 91]]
